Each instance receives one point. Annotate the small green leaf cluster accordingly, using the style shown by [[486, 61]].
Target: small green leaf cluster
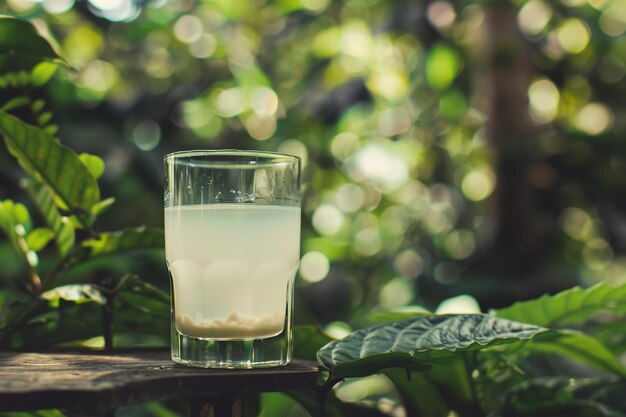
[[43, 309]]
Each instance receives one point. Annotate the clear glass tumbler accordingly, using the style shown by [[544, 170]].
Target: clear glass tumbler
[[232, 245]]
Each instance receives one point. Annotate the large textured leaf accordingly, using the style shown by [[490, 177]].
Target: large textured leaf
[[21, 37], [567, 307], [64, 233], [418, 340], [53, 164], [579, 347], [126, 240]]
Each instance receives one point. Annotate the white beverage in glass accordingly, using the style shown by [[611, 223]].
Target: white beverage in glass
[[231, 267], [232, 245]]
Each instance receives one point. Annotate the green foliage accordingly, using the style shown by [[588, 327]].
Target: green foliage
[[64, 233], [56, 166], [63, 186], [480, 364], [418, 341], [411, 150], [569, 307], [125, 240], [20, 37], [579, 347]]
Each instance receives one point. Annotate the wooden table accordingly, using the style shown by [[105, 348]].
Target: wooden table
[[96, 384]]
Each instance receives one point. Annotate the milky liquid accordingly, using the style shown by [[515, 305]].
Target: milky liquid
[[231, 265]]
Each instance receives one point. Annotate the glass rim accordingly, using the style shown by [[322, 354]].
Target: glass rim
[[268, 158]]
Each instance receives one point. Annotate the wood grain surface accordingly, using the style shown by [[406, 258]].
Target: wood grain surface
[[92, 382]]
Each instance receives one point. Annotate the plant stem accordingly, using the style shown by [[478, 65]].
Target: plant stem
[[107, 323], [470, 364]]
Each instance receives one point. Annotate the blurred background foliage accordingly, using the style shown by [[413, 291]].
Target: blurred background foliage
[[450, 148]]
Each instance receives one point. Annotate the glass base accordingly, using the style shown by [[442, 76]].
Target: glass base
[[231, 354]]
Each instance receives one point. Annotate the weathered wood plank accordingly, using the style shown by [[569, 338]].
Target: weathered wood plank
[[101, 382]]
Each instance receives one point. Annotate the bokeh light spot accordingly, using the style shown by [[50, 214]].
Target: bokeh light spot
[[577, 223], [613, 19], [463, 304], [459, 244], [57, 6], [188, 28], [146, 135], [390, 84], [441, 14], [597, 254], [297, 148], [338, 329], [397, 292], [231, 102], [409, 263], [367, 241], [594, 118], [316, 6], [327, 219], [344, 145], [544, 100], [573, 35], [394, 121], [260, 127], [442, 66], [314, 266], [204, 46], [350, 198], [264, 101], [534, 16], [375, 163], [478, 184]]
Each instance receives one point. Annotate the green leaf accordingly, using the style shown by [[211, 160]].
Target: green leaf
[[15, 222], [102, 206], [64, 233], [53, 164], [568, 307], [21, 37], [94, 164], [42, 73], [14, 103], [12, 215], [139, 238], [38, 238], [579, 347], [141, 308], [59, 321], [74, 292], [418, 341]]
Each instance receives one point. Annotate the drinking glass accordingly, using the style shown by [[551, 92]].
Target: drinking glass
[[232, 245]]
